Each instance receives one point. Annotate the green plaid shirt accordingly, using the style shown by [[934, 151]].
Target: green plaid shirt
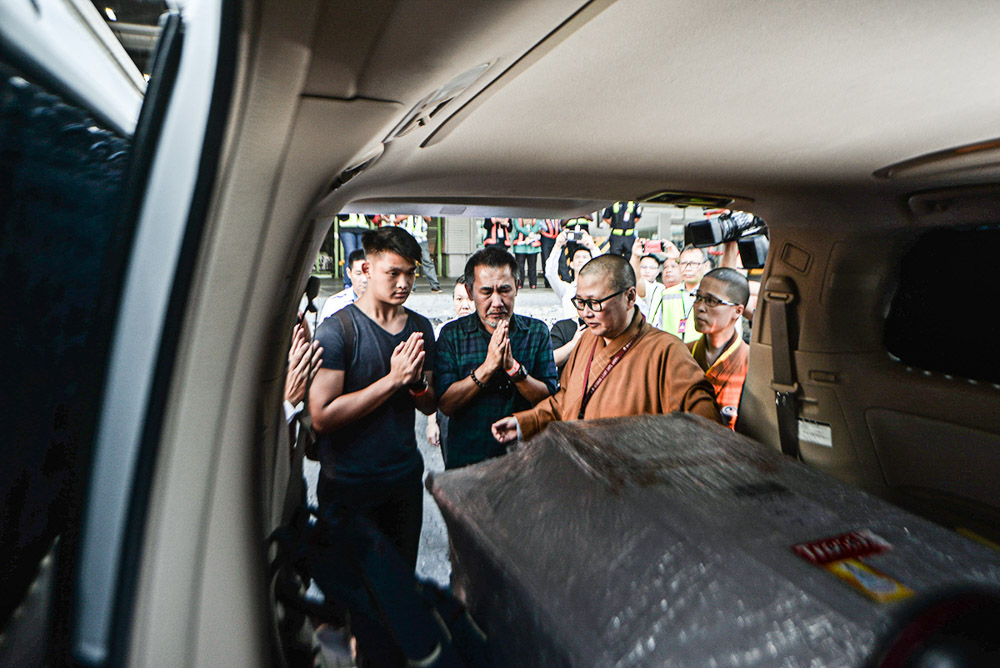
[[462, 347]]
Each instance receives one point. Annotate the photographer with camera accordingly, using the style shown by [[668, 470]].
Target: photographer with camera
[[566, 290], [646, 265], [743, 234], [744, 240]]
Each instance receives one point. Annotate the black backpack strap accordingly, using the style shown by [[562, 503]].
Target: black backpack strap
[[349, 335]]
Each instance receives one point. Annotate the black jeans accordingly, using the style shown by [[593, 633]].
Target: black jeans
[[547, 245], [531, 276], [621, 244], [396, 507]]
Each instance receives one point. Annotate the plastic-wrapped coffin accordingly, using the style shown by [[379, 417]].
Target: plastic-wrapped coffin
[[667, 540]]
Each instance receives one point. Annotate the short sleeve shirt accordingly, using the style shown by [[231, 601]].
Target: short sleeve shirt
[[462, 347], [562, 333], [380, 445]]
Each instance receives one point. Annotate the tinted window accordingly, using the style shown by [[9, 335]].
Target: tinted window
[[943, 317], [62, 243]]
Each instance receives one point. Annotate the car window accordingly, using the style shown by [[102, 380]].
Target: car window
[[63, 242], [946, 277]]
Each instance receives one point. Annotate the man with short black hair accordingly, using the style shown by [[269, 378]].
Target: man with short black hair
[[721, 352], [490, 362], [417, 227], [355, 270], [362, 400], [621, 366]]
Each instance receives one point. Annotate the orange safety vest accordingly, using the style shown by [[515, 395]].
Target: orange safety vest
[[495, 228], [551, 227]]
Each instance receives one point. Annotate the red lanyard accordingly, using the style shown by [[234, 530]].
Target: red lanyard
[[588, 393]]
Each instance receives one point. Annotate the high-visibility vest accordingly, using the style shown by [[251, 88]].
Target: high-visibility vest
[[416, 226], [356, 220], [551, 227], [629, 215], [498, 234]]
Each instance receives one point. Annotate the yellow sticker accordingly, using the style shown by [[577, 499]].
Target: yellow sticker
[[868, 580]]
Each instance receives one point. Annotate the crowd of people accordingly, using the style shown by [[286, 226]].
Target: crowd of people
[[643, 333]]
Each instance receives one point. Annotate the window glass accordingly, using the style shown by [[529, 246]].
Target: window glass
[[942, 315], [63, 245]]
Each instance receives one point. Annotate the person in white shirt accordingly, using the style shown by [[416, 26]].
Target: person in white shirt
[[566, 291], [647, 267], [581, 256], [349, 295]]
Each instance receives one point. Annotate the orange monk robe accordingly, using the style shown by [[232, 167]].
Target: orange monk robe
[[656, 375], [726, 374]]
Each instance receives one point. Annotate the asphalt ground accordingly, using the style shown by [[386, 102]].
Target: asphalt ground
[[541, 303]]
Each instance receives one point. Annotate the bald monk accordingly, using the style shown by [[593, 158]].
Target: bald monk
[[628, 366]]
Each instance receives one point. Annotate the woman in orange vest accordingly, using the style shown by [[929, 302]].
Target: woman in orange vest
[[497, 232]]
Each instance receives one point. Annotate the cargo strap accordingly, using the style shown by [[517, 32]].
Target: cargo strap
[[779, 292]]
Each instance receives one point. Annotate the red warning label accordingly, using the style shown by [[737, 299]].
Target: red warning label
[[852, 544]]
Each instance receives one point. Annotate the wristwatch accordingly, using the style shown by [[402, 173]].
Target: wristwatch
[[517, 374], [417, 387]]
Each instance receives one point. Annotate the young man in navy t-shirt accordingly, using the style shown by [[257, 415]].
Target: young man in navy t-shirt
[[362, 407]]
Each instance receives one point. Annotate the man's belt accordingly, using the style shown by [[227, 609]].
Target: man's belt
[[622, 233]]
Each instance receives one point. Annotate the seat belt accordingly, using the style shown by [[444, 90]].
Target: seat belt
[[779, 291]]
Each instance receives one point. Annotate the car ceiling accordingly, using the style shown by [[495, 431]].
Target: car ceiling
[[591, 102]]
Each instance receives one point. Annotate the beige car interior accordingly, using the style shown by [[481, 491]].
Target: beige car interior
[[830, 121]]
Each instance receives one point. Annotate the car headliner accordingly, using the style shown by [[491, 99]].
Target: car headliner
[[591, 102]]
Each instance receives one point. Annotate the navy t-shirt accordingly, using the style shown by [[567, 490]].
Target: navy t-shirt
[[380, 445]]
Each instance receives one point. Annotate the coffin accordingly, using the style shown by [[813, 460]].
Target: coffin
[[671, 541]]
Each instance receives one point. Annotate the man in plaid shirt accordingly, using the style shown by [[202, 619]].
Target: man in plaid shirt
[[490, 363]]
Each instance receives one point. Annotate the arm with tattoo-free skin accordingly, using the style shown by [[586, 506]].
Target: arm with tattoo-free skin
[[640, 282], [331, 409], [562, 353]]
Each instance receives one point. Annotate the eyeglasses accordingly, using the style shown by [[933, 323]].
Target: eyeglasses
[[596, 305], [690, 264], [709, 300]]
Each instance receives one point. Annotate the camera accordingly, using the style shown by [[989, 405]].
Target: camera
[[727, 226], [747, 229], [652, 246], [574, 235]]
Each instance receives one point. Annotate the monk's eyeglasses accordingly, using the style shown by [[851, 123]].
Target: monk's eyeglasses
[[596, 305]]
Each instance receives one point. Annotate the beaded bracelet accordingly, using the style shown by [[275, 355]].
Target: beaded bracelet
[[472, 375]]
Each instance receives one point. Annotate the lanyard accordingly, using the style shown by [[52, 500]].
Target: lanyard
[[682, 324], [588, 393]]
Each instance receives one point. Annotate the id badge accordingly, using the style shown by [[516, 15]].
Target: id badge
[[681, 326]]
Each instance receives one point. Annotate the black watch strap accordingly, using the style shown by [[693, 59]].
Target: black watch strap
[[418, 386]]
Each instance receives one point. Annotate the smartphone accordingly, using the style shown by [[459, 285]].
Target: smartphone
[[653, 246], [574, 235]]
